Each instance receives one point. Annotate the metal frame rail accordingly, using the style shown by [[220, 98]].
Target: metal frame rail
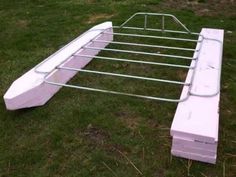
[[145, 28]]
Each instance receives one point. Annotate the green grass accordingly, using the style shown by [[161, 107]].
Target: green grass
[[80, 133]]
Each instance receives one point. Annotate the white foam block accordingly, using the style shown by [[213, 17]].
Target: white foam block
[[198, 118], [199, 151], [193, 156], [187, 142], [30, 89]]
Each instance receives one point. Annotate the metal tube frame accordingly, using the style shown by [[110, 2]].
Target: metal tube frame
[[139, 52], [153, 37], [145, 45], [123, 25], [135, 61], [124, 75]]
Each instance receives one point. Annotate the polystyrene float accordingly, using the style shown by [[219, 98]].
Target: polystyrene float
[[31, 90], [196, 121], [195, 125]]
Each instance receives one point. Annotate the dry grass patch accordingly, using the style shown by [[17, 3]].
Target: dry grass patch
[[96, 135], [128, 118], [182, 75], [22, 23], [95, 18]]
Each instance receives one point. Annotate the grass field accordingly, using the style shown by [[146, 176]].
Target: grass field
[[80, 133]]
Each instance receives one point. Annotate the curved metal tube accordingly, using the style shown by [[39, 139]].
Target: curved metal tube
[[219, 74], [155, 14]]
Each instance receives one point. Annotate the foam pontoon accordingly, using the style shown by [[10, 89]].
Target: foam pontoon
[[196, 121]]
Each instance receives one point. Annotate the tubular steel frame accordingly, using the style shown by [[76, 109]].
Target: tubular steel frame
[[123, 26]]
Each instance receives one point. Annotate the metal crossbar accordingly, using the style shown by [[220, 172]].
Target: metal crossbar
[[96, 40], [154, 37], [124, 75], [145, 45], [139, 52], [156, 30], [135, 61], [115, 92]]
